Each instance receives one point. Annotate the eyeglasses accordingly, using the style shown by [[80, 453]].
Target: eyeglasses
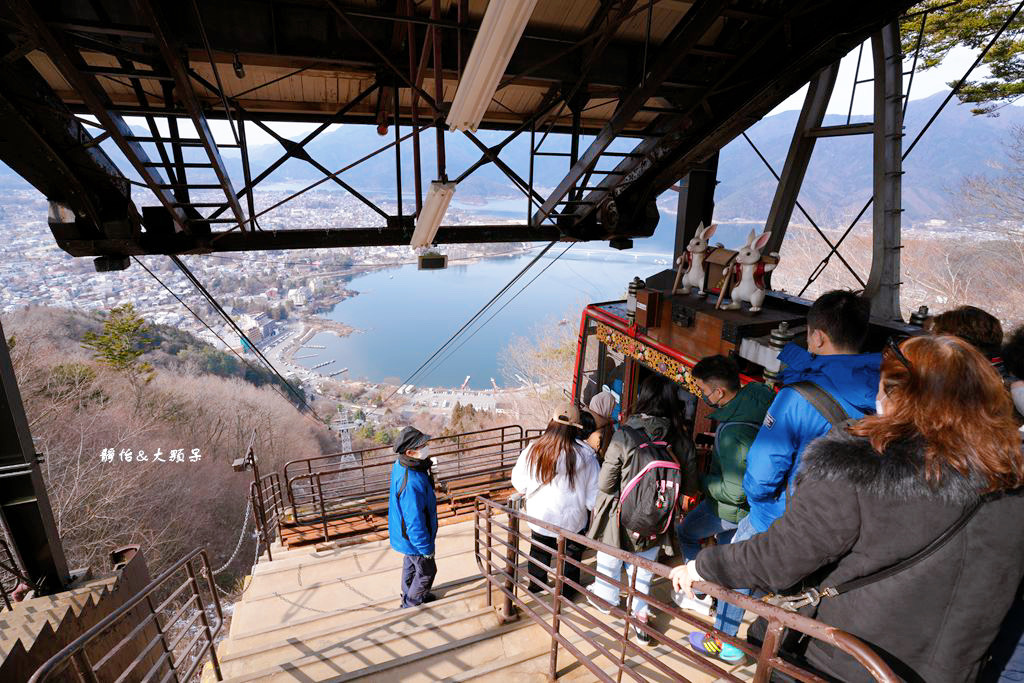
[[893, 344]]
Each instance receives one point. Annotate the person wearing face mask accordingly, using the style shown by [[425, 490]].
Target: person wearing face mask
[[738, 412], [412, 515], [904, 527], [837, 325]]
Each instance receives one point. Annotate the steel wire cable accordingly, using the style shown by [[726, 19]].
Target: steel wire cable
[[495, 314], [466, 325], [231, 323], [212, 331]]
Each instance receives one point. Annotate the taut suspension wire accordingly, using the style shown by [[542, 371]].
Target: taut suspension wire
[[469, 322]]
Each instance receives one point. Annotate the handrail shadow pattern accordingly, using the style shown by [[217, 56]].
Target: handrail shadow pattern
[[501, 560]]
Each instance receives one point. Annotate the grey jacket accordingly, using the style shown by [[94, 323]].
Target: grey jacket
[[604, 525]]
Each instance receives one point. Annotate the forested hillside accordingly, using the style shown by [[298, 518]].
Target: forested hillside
[[138, 448]]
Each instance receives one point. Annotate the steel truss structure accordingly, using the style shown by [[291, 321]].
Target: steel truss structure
[[681, 79]]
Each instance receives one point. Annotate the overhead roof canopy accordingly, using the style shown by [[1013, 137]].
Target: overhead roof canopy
[[684, 78]]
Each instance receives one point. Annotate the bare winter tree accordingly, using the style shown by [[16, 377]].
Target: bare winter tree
[[544, 363], [79, 410]]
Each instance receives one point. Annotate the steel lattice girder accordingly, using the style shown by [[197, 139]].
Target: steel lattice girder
[[720, 68]]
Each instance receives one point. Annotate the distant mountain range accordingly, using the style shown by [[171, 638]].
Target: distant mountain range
[[838, 181]]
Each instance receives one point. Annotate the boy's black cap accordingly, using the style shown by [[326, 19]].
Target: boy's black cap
[[410, 438]]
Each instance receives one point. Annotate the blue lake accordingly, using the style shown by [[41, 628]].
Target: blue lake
[[404, 314]]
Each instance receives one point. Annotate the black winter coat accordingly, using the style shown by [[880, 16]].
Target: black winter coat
[[855, 512]]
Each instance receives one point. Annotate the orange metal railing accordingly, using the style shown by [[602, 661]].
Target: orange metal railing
[[499, 550], [355, 483], [169, 627]]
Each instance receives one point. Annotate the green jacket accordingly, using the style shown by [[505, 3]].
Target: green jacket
[[723, 483]]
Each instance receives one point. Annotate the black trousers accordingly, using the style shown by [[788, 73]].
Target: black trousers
[[418, 572], [541, 549]]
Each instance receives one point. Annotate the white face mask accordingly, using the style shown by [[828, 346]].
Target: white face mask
[[424, 452], [878, 408]]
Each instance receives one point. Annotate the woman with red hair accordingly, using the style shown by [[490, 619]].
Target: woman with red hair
[[908, 523]]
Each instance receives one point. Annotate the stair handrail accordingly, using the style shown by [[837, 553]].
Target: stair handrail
[[75, 653], [267, 511], [498, 555]]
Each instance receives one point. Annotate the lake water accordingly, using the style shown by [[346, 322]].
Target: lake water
[[404, 314]]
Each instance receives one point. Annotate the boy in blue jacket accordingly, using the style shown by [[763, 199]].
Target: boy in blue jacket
[[837, 325], [412, 516]]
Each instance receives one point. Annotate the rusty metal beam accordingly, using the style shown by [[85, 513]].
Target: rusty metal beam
[[170, 50], [70, 64]]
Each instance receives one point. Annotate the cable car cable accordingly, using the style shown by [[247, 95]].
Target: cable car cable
[[228, 319], [212, 331], [469, 322], [484, 324]]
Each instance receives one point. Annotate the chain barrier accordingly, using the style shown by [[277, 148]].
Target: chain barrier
[[241, 537]]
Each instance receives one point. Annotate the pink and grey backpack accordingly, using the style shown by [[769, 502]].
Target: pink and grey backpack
[[648, 500]]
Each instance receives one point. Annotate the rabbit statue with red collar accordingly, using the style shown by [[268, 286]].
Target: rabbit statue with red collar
[[692, 261], [749, 271]]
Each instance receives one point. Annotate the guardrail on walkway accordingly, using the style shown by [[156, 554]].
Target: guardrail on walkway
[[499, 553], [160, 640], [352, 484], [268, 509]]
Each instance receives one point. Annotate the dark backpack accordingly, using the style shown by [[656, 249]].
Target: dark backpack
[[648, 500]]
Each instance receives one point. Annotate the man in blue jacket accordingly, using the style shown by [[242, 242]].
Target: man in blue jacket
[[837, 325], [412, 516]]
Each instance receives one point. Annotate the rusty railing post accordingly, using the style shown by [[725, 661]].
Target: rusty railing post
[[83, 668], [323, 508], [163, 636], [204, 618], [490, 560], [769, 648], [630, 595], [260, 515], [508, 610], [556, 619]]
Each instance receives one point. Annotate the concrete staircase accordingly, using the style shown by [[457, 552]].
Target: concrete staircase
[[29, 617], [333, 615]]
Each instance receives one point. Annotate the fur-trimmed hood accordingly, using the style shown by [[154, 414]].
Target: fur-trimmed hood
[[896, 475]]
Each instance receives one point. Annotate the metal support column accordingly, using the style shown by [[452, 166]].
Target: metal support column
[[819, 92], [24, 505], [696, 203], [883, 286]]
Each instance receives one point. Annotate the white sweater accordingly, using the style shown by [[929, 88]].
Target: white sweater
[[555, 502]]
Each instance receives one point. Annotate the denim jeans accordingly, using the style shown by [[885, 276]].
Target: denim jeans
[[611, 567], [729, 617], [701, 523]]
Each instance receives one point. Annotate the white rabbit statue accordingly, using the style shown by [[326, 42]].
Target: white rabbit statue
[[693, 259], [748, 273]]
